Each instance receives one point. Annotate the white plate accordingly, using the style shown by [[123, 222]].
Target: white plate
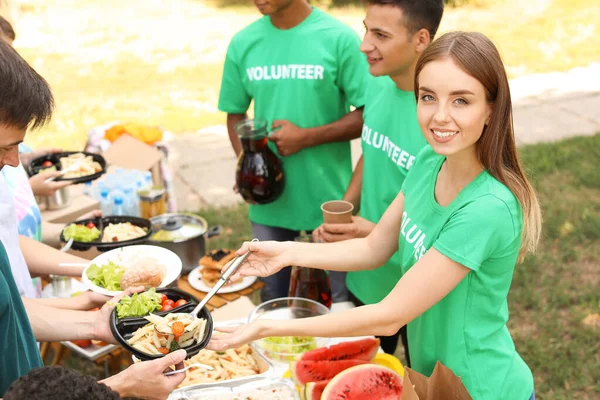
[[196, 282], [126, 255]]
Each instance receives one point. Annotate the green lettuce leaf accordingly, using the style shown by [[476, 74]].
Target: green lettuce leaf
[[107, 276], [139, 304], [81, 233]]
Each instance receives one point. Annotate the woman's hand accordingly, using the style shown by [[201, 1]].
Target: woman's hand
[[146, 379], [266, 258], [102, 319], [235, 336], [93, 300], [42, 188], [90, 215]]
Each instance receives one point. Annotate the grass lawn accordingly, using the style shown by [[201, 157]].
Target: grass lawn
[[554, 291], [161, 62]]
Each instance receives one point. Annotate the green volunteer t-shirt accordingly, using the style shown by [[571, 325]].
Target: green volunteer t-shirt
[[309, 75], [391, 138], [466, 330], [18, 350]]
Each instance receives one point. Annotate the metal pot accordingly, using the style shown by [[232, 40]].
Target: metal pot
[[58, 200], [183, 234]]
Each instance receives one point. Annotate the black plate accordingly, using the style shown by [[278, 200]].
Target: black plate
[[103, 222], [36, 165], [123, 329], [173, 294]]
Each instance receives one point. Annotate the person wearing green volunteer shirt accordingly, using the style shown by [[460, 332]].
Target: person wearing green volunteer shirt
[[26, 101], [464, 217], [303, 70], [397, 32]]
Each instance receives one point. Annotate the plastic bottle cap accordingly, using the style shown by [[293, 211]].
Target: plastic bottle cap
[[118, 200], [104, 192]]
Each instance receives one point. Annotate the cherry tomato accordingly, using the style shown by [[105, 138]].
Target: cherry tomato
[[166, 307], [163, 297], [82, 343], [168, 302], [47, 164], [91, 225], [180, 302]]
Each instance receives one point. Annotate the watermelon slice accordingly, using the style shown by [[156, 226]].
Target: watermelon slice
[[314, 390], [364, 349], [364, 382], [314, 371]]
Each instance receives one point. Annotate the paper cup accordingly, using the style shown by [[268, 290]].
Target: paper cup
[[337, 212]]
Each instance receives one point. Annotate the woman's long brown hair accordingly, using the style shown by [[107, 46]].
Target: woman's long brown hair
[[496, 148]]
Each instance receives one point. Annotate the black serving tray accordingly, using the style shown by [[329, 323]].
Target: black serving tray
[[37, 164], [101, 223], [123, 329]]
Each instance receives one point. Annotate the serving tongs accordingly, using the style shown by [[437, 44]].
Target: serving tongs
[[233, 267]]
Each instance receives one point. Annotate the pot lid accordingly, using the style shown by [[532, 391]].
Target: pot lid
[[177, 227]]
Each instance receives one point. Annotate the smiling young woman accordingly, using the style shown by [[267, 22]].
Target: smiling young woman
[[464, 216], [470, 116]]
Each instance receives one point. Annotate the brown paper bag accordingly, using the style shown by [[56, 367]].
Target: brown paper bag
[[442, 385]]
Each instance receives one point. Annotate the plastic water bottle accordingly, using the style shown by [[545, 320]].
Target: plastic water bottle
[[131, 202], [97, 190], [88, 189], [148, 180], [118, 207], [105, 203]]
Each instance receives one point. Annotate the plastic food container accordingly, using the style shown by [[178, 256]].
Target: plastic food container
[[290, 348], [267, 389], [36, 165], [123, 330], [101, 223]]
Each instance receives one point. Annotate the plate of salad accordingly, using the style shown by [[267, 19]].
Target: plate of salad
[[140, 265]]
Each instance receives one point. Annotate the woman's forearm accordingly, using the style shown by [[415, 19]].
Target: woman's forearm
[[348, 255], [355, 254], [71, 303], [361, 321], [44, 260], [51, 324]]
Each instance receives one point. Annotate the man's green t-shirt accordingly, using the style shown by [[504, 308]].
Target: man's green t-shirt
[[308, 75], [391, 138], [466, 330], [18, 350]]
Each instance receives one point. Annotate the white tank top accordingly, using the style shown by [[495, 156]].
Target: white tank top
[[9, 235]]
